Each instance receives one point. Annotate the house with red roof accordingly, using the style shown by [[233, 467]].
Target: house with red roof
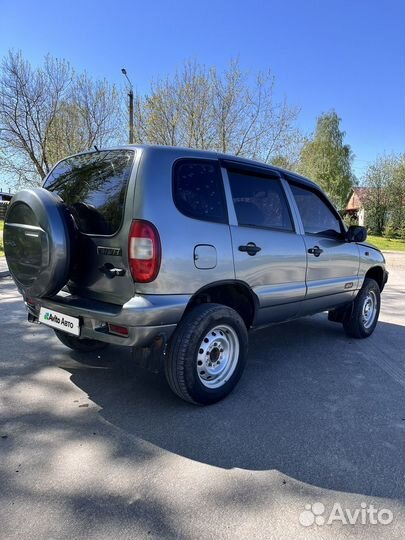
[[355, 204]]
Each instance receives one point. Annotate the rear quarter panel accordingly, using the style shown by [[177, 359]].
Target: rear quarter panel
[[179, 234]]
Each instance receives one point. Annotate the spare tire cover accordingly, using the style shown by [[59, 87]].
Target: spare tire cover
[[37, 242]]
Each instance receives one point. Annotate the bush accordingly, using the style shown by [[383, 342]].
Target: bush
[[350, 220], [402, 232], [390, 231]]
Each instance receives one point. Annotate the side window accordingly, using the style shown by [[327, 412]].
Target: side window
[[259, 201], [316, 215], [198, 190]]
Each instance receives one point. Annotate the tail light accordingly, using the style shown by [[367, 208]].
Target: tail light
[[120, 330], [144, 251]]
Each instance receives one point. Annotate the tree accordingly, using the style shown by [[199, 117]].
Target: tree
[[385, 202], [397, 194], [49, 112], [289, 159], [327, 160], [226, 112]]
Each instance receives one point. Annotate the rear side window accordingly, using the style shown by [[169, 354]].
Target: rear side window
[[259, 201], [198, 190], [94, 186], [316, 215]]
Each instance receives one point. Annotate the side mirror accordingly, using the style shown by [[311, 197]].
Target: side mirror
[[356, 234]]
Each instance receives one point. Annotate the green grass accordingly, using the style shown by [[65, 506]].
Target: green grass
[[386, 244]]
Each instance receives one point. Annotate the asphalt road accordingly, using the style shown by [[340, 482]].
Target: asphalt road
[[93, 448]]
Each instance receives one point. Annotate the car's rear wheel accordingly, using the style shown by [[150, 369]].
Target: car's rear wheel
[[207, 354], [81, 345], [361, 320]]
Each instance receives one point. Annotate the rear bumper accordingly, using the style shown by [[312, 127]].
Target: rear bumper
[[145, 316]]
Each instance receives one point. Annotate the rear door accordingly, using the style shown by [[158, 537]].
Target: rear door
[[98, 189], [269, 255], [333, 263]]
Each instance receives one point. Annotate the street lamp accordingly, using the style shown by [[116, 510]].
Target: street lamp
[[131, 107]]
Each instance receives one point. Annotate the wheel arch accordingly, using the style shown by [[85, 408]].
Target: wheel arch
[[232, 293], [376, 273]]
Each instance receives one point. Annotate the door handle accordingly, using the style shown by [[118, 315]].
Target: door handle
[[109, 270], [316, 250], [250, 248]]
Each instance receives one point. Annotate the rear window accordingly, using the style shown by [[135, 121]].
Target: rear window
[[94, 186], [198, 191], [259, 201]]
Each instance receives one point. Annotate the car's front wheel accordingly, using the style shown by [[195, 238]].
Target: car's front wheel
[[362, 317], [207, 354]]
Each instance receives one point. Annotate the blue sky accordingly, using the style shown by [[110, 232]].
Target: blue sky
[[327, 54]]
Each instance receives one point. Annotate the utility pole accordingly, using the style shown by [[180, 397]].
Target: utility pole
[[131, 107]]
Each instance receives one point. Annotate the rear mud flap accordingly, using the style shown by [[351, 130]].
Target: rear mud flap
[[150, 358]]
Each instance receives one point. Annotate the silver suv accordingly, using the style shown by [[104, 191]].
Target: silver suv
[[177, 253]]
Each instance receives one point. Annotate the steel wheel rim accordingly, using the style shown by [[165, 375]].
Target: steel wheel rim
[[369, 309], [217, 356]]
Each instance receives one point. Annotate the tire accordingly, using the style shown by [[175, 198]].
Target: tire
[[362, 318], [38, 234], [217, 334], [81, 345]]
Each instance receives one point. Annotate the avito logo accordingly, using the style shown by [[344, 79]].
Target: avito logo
[[365, 515], [53, 318]]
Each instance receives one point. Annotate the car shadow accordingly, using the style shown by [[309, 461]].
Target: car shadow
[[312, 404]]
